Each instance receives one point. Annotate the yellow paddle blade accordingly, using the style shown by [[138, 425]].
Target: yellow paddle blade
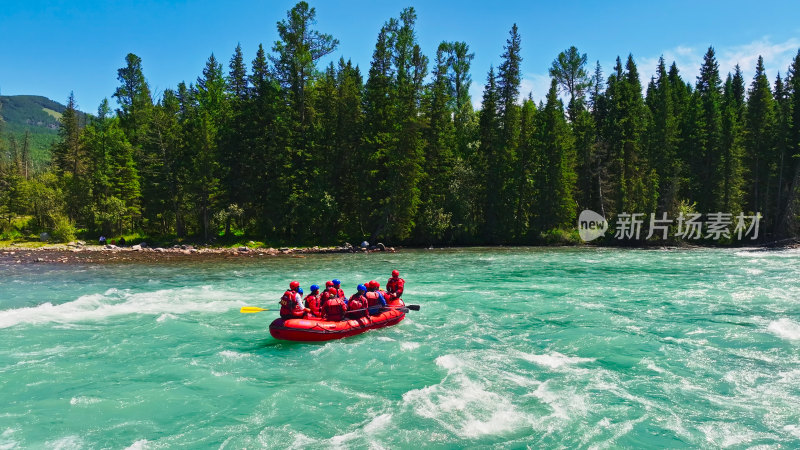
[[251, 309]]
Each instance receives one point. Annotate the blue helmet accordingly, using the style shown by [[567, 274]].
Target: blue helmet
[[314, 287], [361, 288], [336, 282], [299, 290]]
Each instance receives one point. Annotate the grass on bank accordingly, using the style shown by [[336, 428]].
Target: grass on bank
[[18, 232]]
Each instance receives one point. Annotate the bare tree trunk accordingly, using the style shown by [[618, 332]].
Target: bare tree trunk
[[786, 224]]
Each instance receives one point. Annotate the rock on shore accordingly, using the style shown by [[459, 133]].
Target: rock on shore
[[78, 252]]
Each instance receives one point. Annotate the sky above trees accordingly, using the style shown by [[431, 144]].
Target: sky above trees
[[53, 47]]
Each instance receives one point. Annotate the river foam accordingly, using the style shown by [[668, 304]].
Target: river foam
[[785, 329], [554, 360], [114, 302], [465, 404]]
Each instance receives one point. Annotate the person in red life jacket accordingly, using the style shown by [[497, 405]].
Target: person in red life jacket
[[374, 297], [335, 307], [291, 302], [395, 285], [337, 285], [325, 295], [357, 303], [312, 302]]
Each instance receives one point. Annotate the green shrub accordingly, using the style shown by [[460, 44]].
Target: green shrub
[[11, 234], [559, 236], [63, 229]]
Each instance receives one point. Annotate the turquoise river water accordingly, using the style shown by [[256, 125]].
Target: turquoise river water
[[512, 348]]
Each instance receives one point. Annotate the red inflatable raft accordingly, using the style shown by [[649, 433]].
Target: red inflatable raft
[[311, 330]]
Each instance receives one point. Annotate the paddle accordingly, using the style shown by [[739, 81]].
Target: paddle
[[405, 308], [255, 309]]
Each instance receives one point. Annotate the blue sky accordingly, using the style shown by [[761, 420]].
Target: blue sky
[[53, 47]]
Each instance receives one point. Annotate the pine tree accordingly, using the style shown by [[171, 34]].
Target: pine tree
[[433, 215], [555, 203], [324, 183], [267, 137], [782, 145], [237, 76], [663, 138], [27, 164], [459, 62], [759, 145], [599, 162], [234, 152], [296, 55], [525, 169], [405, 163], [739, 92], [112, 175], [681, 93], [124, 175], [164, 176], [500, 186], [595, 97], [69, 158], [12, 186], [624, 130], [569, 71], [350, 164], [379, 127], [508, 82], [705, 160], [788, 225], [729, 174], [584, 132], [66, 152], [134, 99], [208, 113], [490, 159], [95, 140], [464, 182]]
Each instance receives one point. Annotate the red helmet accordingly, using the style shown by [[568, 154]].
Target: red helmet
[[372, 284], [329, 284], [395, 274], [331, 291], [294, 285]]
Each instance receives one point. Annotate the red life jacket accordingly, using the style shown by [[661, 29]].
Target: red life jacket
[[325, 296], [323, 299], [373, 299], [290, 307], [335, 309], [313, 303], [357, 301], [395, 286]]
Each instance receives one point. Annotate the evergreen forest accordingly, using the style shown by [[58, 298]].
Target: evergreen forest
[[288, 151]]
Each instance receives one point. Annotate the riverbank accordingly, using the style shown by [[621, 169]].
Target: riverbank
[[79, 252]]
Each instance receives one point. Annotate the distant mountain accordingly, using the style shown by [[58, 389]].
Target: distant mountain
[[36, 114]]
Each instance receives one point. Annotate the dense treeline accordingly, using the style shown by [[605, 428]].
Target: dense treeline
[[286, 151]]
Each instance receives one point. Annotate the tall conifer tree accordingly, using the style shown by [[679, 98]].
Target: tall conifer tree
[[760, 145], [134, 99]]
